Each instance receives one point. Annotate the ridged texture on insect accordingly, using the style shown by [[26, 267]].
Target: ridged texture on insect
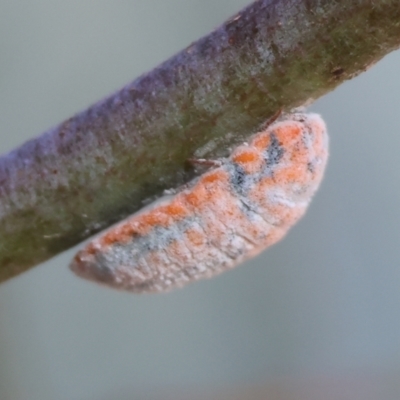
[[227, 215]]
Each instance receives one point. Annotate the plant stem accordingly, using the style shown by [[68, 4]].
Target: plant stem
[[100, 165]]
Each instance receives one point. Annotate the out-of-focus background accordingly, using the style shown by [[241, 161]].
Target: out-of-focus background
[[315, 317]]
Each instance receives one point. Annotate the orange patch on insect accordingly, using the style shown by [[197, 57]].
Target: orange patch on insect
[[206, 189], [161, 216], [176, 210], [249, 158], [291, 175], [150, 219], [288, 133], [122, 233], [262, 140], [218, 175]]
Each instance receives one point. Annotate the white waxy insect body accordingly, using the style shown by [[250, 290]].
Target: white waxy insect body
[[227, 215]]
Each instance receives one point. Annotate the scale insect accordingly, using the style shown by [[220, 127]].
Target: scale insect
[[227, 215]]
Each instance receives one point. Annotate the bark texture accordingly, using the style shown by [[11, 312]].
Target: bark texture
[[102, 164]]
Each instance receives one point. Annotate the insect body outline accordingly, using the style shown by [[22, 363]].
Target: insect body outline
[[230, 213]]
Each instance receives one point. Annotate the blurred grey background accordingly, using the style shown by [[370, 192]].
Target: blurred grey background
[[318, 315]]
